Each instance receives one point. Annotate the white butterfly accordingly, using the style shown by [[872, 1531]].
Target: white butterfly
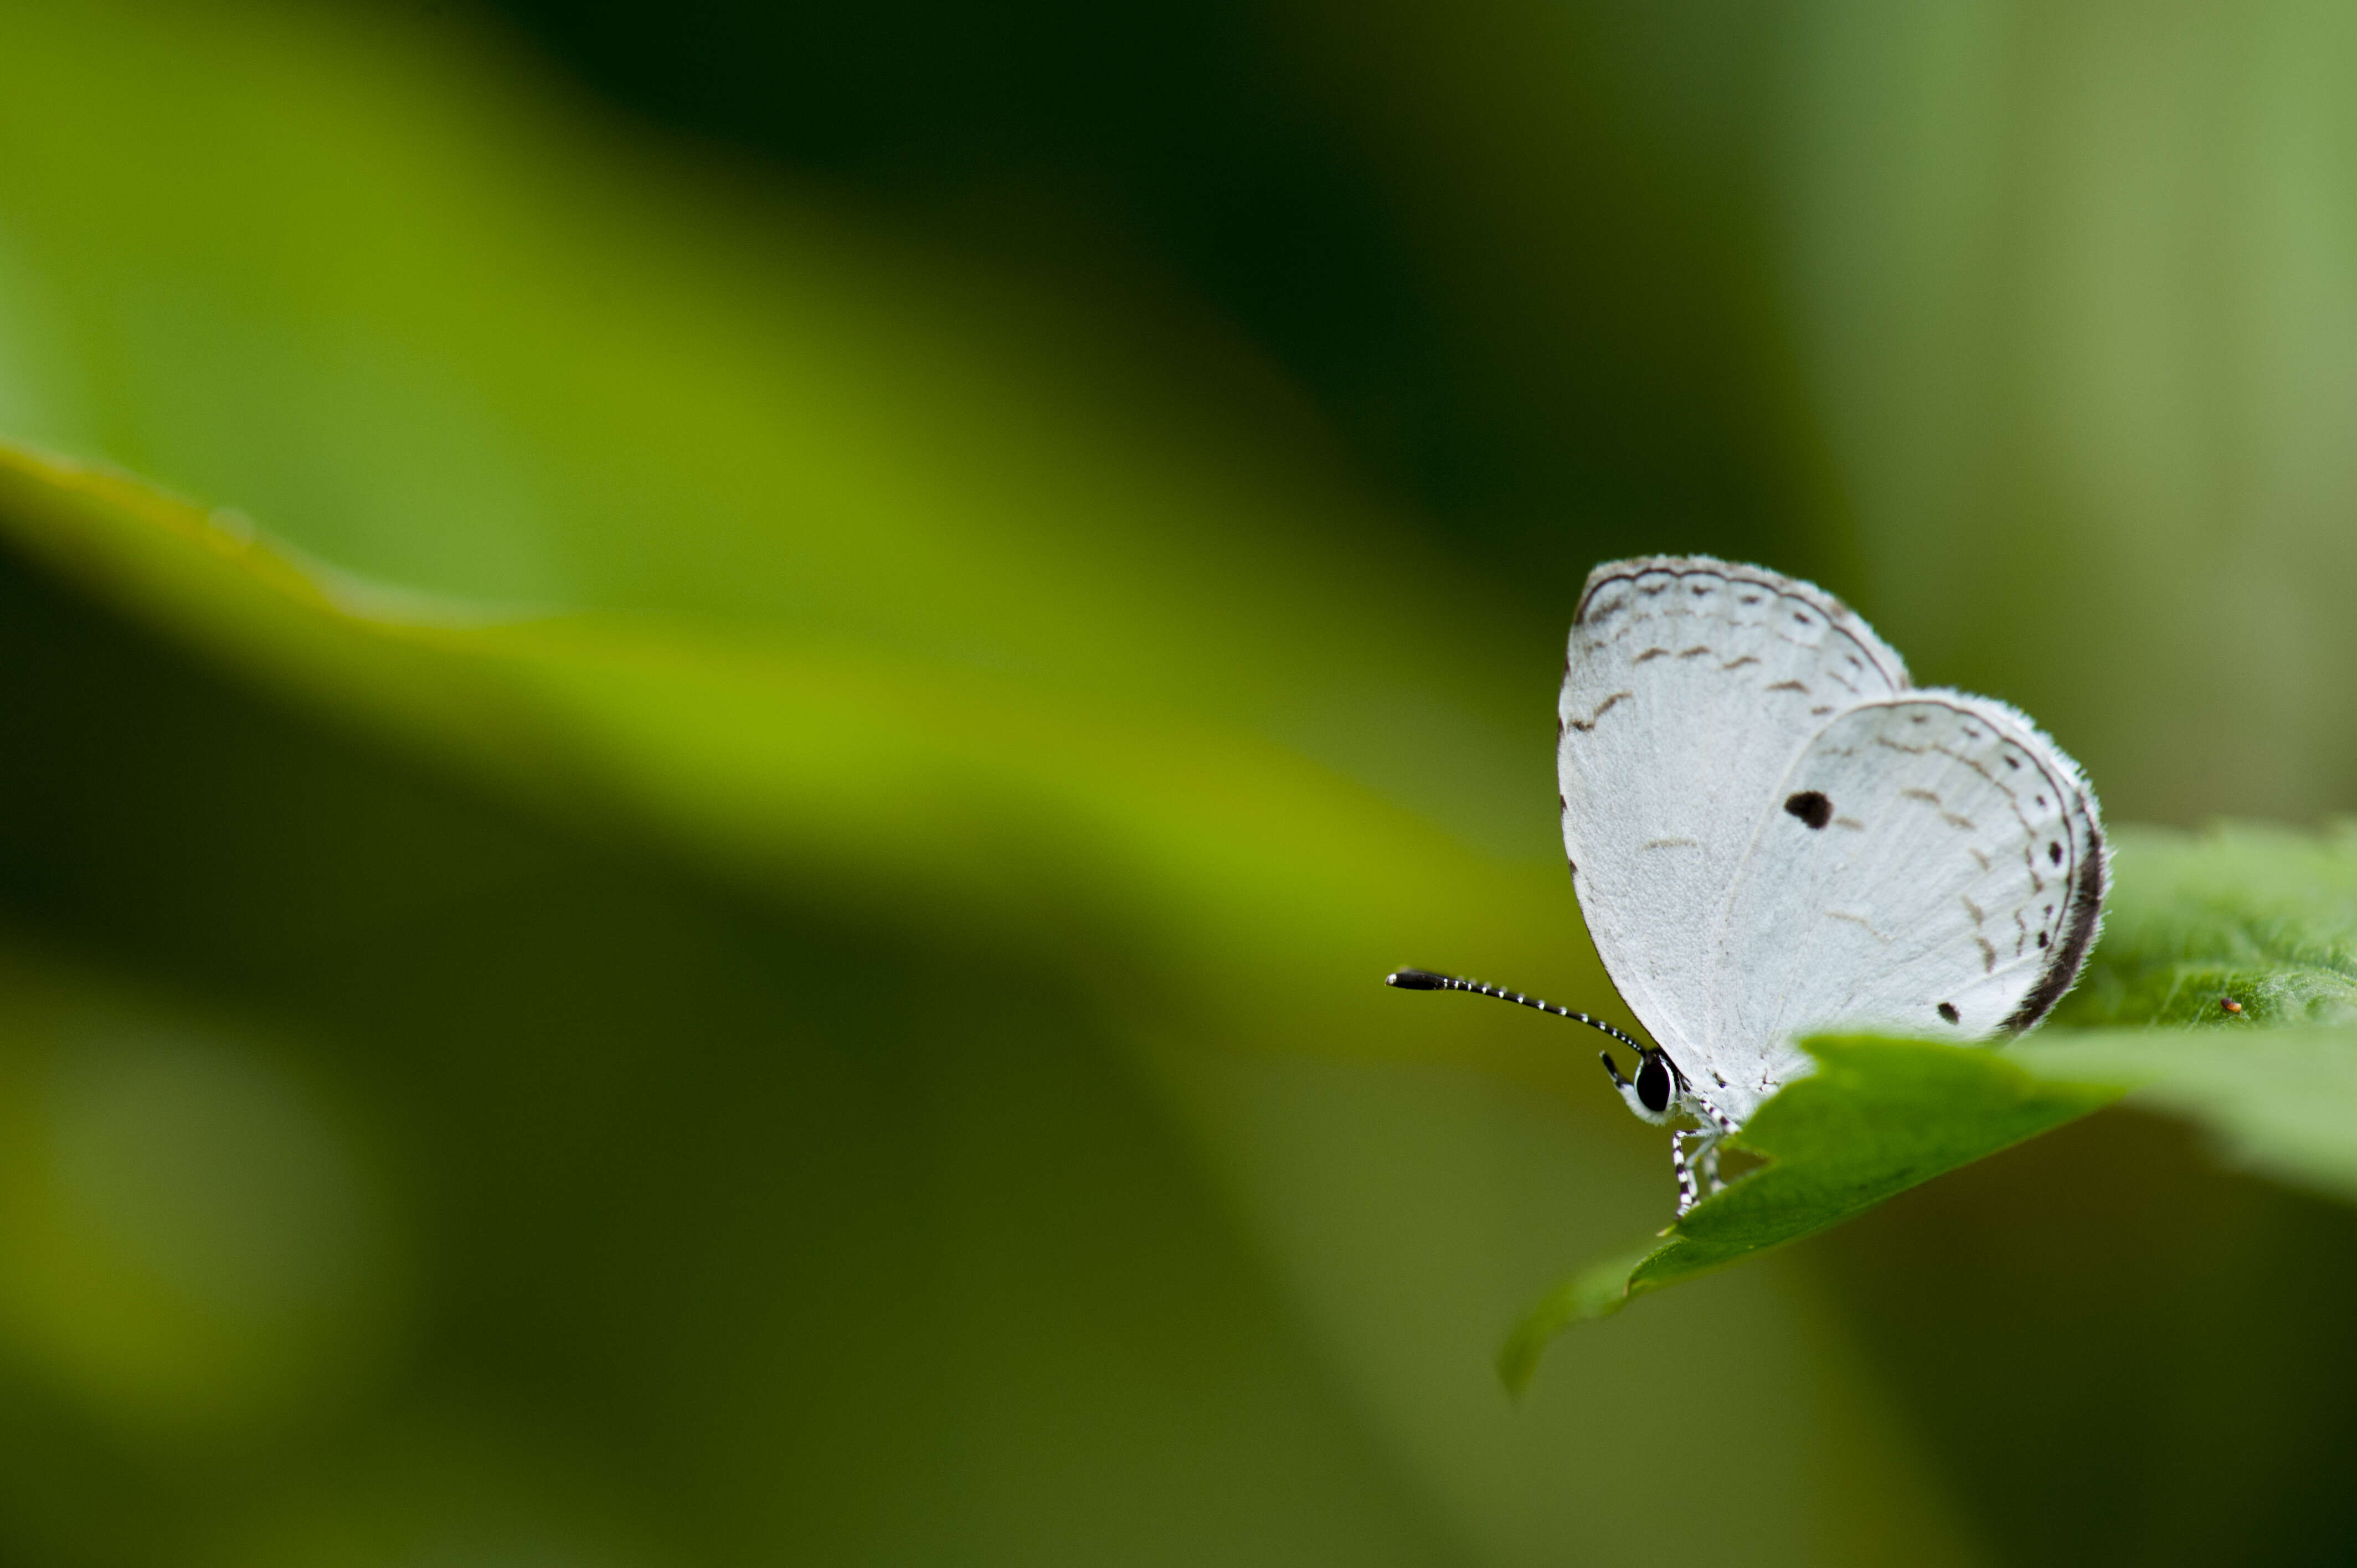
[[1773, 836]]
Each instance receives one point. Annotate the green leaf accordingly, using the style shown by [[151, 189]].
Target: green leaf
[[2278, 1102], [1598, 1291], [1878, 1117], [2264, 918]]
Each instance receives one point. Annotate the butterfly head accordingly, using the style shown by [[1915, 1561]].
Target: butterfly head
[[1656, 1090]]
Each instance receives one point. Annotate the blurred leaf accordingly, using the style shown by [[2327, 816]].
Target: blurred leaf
[[680, 503], [1229, 864], [2264, 917]]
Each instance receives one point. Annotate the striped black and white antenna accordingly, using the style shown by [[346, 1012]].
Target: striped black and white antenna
[[1426, 980]]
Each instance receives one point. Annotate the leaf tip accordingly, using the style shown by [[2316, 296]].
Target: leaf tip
[[1596, 1291]]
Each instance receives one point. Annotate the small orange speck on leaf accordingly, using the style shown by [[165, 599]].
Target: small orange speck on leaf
[[2230, 1004]]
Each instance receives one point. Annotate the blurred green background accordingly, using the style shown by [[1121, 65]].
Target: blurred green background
[[914, 602]]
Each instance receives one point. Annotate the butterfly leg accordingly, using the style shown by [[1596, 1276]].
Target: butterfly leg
[[1720, 1129], [1687, 1198], [1705, 1161]]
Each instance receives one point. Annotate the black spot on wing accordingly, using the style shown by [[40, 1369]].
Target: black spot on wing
[[1948, 1011], [1810, 807]]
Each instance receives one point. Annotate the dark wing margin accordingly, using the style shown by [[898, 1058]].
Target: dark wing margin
[[1839, 618], [2088, 882]]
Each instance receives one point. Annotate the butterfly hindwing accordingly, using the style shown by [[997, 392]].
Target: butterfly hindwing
[[1929, 864]]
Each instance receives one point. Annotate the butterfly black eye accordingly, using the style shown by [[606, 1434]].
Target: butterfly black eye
[[1654, 1083]]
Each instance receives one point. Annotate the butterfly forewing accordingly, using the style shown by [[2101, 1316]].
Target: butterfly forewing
[[1929, 864], [1692, 687]]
